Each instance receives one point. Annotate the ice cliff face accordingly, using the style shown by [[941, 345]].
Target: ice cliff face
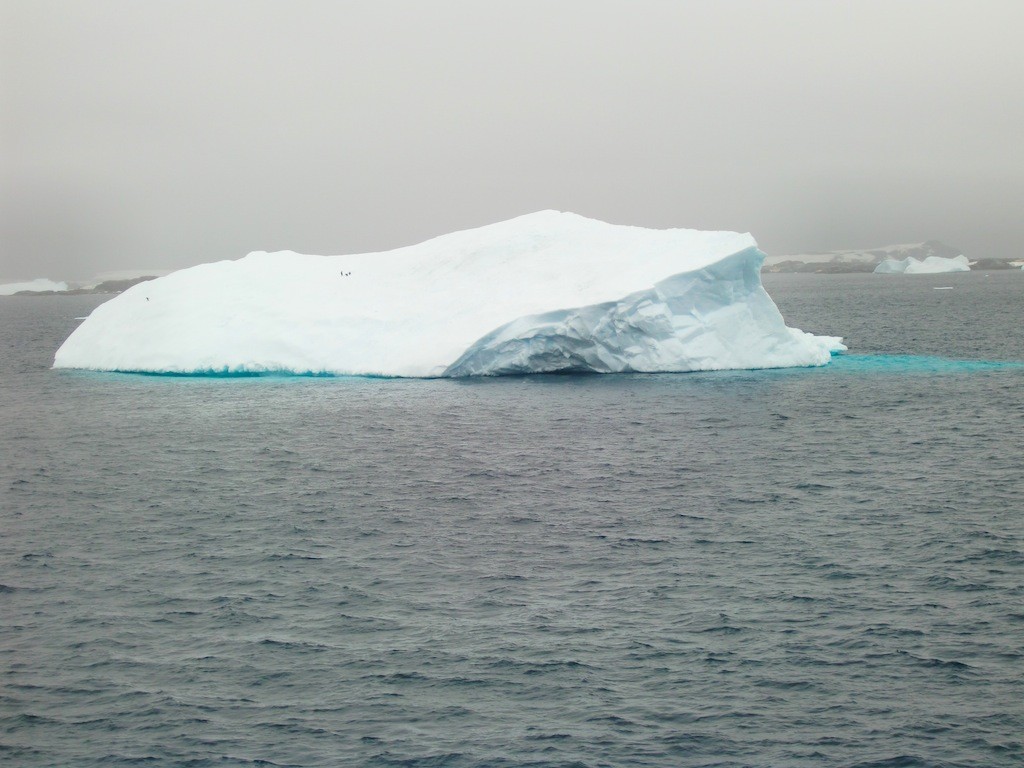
[[718, 317], [928, 266], [541, 293]]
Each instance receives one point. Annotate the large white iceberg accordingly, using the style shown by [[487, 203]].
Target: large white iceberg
[[546, 292], [39, 284], [929, 266]]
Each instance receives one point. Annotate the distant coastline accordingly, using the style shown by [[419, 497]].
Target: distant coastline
[[105, 287], [842, 268], [819, 263], [866, 260]]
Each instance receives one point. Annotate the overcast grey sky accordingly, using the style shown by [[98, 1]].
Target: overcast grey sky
[[171, 132]]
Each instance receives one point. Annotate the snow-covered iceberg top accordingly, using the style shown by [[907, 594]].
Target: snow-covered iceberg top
[[39, 284], [544, 292], [929, 266]]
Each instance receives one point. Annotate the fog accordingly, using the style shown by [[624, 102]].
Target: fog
[[165, 134]]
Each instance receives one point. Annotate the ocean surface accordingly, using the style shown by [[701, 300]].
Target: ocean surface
[[814, 567]]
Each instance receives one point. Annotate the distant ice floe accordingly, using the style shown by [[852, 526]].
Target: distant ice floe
[[928, 266], [39, 284], [546, 292]]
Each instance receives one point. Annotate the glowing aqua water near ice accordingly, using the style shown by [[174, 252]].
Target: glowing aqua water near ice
[[545, 292]]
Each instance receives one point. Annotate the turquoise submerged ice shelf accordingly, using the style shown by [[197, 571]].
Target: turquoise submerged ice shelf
[[843, 364], [909, 364]]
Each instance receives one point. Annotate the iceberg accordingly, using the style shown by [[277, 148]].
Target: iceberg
[[39, 284], [929, 266], [545, 292]]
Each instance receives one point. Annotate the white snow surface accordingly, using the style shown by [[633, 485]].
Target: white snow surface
[[929, 266], [39, 284], [545, 292]]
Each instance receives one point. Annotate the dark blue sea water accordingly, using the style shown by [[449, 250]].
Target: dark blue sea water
[[820, 567]]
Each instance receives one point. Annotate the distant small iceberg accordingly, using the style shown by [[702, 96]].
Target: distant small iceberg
[[928, 266]]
